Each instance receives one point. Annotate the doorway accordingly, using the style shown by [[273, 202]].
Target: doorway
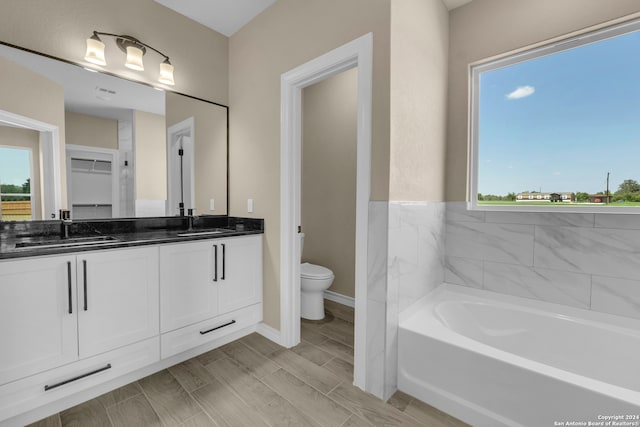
[[357, 53], [181, 173]]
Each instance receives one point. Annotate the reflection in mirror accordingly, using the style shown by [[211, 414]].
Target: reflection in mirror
[[98, 145]]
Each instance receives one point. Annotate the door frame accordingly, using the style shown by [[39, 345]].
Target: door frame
[[183, 128], [50, 159], [355, 54]]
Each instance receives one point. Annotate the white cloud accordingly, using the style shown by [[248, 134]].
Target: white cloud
[[521, 92]]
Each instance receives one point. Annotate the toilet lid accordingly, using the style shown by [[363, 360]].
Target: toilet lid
[[313, 271]]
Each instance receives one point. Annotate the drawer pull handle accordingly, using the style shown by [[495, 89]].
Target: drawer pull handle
[[84, 270], [215, 263], [224, 261], [217, 327], [79, 377], [69, 286]]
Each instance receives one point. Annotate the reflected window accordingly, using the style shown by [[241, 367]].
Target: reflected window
[[15, 184]]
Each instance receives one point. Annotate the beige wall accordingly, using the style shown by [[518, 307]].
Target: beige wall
[[286, 35], [91, 131], [150, 142], [32, 95], [27, 138], [210, 149], [419, 45], [61, 27], [329, 177], [486, 28]]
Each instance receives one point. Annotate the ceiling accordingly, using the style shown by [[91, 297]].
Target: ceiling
[[223, 16], [228, 16]]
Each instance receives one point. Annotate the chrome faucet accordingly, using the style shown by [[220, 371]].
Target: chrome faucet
[[190, 219], [65, 223]]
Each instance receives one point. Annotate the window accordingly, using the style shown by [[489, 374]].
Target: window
[[15, 184], [561, 119]]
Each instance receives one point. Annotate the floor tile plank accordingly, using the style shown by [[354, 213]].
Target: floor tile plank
[[246, 386], [307, 398], [370, 407], [337, 349], [280, 412], [312, 353], [314, 375], [168, 398], [88, 414], [400, 400], [340, 311], [52, 421], [225, 407], [428, 415], [200, 420], [356, 421], [191, 374], [309, 333], [342, 369], [256, 363], [134, 412], [338, 330], [260, 344], [120, 394]]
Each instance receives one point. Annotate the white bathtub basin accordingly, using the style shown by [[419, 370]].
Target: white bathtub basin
[[492, 359]]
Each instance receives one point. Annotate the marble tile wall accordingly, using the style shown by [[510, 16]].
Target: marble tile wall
[[415, 266], [585, 260]]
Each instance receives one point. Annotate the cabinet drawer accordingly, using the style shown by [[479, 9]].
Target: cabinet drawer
[[203, 332], [28, 393]]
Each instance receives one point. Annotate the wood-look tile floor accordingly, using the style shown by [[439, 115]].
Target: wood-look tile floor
[[254, 382]]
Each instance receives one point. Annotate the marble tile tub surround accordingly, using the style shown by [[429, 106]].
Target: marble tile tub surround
[[415, 266], [586, 260]]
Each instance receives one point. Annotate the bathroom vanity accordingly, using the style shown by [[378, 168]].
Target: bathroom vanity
[[79, 319]]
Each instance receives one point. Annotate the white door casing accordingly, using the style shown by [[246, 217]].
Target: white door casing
[[357, 53]]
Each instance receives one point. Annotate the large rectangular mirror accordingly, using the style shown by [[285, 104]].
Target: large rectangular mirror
[[102, 146]]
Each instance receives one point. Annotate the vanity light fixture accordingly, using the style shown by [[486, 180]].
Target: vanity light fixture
[[135, 50]]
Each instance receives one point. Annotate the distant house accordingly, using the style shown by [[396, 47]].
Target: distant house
[[534, 196], [599, 198]]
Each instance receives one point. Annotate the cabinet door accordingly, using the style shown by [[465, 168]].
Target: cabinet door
[[117, 298], [240, 282], [188, 283], [38, 327]]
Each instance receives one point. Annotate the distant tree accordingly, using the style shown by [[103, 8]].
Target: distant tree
[[26, 187], [628, 186], [511, 197], [480, 196], [582, 196]]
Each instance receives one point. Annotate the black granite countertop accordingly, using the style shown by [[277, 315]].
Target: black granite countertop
[[20, 239]]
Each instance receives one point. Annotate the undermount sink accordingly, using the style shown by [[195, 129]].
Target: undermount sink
[[203, 232], [63, 243]]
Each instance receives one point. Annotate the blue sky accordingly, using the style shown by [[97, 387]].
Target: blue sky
[[554, 123], [14, 165]]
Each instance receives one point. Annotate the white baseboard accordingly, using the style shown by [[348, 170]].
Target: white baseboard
[[340, 299], [269, 333]]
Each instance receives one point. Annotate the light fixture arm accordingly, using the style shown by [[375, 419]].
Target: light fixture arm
[[135, 50], [124, 40]]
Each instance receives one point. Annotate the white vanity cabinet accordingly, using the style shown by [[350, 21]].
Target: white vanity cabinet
[[188, 292], [118, 296], [56, 310], [69, 323], [38, 315], [208, 289]]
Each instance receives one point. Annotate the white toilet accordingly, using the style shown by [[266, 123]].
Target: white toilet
[[314, 280]]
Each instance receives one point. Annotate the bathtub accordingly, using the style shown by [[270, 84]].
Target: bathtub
[[495, 360]]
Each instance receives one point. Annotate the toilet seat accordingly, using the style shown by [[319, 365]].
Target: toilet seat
[[314, 272]]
